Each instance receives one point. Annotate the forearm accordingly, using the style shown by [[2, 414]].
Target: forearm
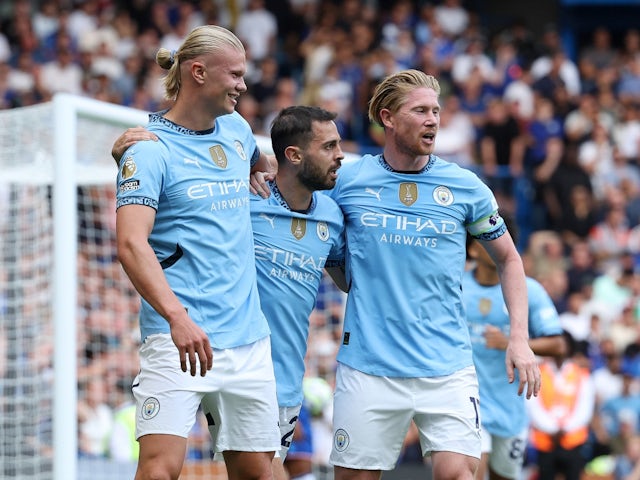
[[548, 346], [514, 290], [143, 269]]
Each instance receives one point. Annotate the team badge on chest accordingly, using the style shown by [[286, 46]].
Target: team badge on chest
[[218, 156], [240, 149], [484, 306], [408, 193], [322, 229], [298, 227]]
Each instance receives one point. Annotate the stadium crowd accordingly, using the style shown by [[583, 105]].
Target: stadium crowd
[[557, 137]]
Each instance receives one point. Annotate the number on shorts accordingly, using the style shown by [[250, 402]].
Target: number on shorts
[[516, 451], [285, 440]]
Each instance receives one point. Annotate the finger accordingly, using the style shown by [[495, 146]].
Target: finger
[[538, 382], [183, 360], [530, 385], [510, 375], [523, 382], [204, 355], [209, 351], [192, 362]]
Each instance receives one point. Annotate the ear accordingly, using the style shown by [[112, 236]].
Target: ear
[[386, 117], [198, 72], [293, 154]]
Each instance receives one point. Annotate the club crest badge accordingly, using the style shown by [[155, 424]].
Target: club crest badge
[[218, 156], [240, 149], [298, 227], [484, 306], [443, 196], [408, 193], [341, 440], [129, 168], [322, 229], [150, 408]]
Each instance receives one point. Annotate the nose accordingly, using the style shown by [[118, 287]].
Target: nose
[[242, 85]]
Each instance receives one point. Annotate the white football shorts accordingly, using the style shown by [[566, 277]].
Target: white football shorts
[[372, 415], [506, 454], [238, 395]]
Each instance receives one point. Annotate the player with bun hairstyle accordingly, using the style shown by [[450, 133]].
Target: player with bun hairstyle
[[183, 232]]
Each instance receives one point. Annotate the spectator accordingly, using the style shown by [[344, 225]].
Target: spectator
[[595, 156], [554, 53], [473, 61], [544, 152], [600, 51], [456, 136], [257, 27], [627, 464], [626, 133], [619, 415], [569, 199], [61, 75], [452, 17], [95, 419], [629, 85], [609, 238], [123, 446], [501, 152], [580, 122]]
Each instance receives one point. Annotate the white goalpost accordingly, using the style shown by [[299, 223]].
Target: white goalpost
[[69, 335]]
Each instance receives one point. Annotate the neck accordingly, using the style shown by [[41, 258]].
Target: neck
[[297, 197], [191, 115], [404, 162]]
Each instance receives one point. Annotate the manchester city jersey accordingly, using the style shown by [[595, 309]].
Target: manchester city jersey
[[198, 183], [406, 235], [502, 410], [291, 250]]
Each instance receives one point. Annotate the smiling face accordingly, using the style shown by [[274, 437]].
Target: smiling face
[[224, 81], [322, 158], [413, 127]]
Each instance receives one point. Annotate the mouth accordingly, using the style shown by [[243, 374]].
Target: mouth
[[430, 137]]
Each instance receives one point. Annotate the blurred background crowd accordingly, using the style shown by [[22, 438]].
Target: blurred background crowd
[[550, 122]]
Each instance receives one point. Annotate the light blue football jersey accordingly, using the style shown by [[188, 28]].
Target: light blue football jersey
[[198, 183], [406, 235], [291, 250], [501, 409]]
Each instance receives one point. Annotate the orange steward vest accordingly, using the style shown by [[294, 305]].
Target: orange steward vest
[[559, 397]]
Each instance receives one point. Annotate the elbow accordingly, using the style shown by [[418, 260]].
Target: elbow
[[125, 250]]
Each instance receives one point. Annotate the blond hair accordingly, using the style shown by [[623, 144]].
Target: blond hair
[[200, 41], [391, 93]]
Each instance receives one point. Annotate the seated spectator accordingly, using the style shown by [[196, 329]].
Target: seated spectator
[[596, 157], [629, 85], [619, 415], [609, 238]]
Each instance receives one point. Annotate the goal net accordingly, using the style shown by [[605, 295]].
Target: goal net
[[68, 314]]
